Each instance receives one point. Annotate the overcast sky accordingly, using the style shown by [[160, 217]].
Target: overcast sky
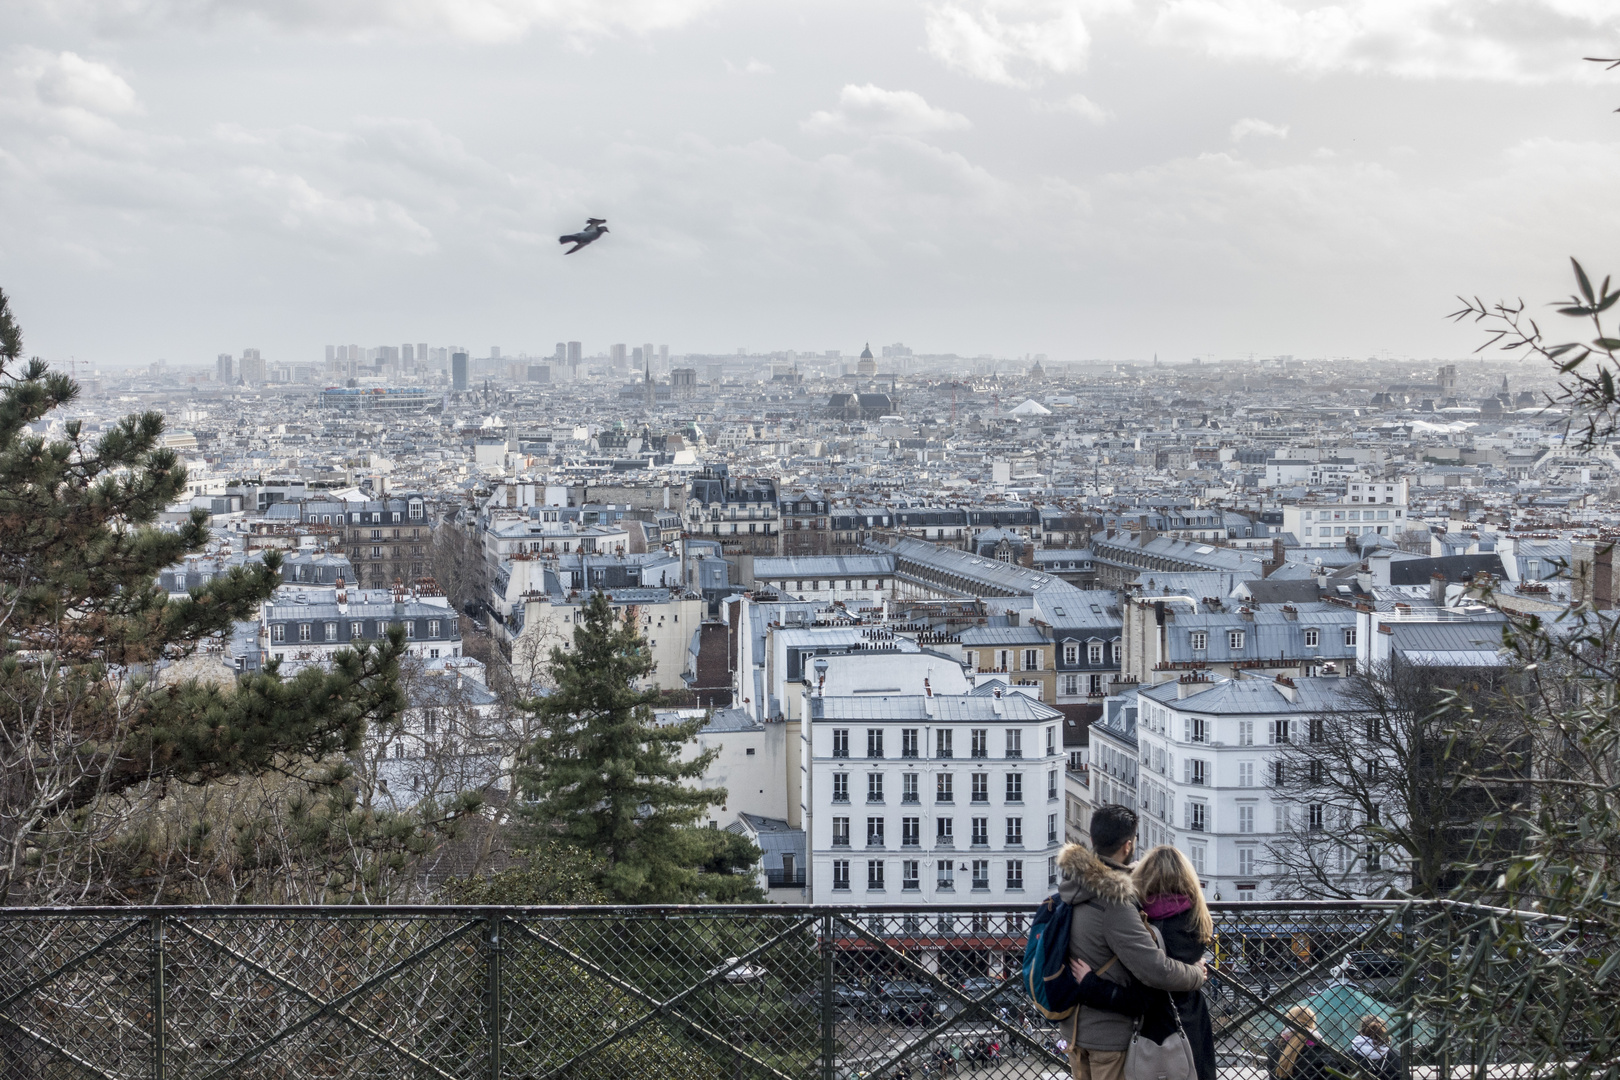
[[1082, 178]]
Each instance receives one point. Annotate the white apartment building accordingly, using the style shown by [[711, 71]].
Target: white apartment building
[[1369, 507], [1197, 760], [924, 797]]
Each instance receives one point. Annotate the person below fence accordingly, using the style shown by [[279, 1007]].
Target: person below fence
[[1173, 902], [1372, 1050], [1297, 1053], [1110, 934]]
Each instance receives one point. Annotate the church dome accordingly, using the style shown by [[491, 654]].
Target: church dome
[[866, 353]]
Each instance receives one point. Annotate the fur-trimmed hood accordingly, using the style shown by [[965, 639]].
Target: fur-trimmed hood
[[1089, 877]]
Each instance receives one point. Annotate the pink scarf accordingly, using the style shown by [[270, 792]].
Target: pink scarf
[[1166, 906]]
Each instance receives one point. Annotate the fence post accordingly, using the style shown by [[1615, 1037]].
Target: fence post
[[493, 996], [159, 1025], [829, 1008], [1408, 988]]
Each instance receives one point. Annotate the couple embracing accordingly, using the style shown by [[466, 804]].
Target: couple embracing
[[1136, 945]]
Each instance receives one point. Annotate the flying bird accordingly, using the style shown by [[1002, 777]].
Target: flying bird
[[593, 230]]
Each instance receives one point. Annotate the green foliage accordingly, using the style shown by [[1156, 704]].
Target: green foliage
[[605, 778], [84, 725], [552, 873]]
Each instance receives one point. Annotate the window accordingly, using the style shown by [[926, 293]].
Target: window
[[981, 875], [1198, 855], [981, 787], [1015, 787], [1349, 637], [1015, 742], [1071, 654], [945, 881], [1245, 732], [908, 787], [943, 834], [981, 742], [1197, 771], [1317, 732], [909, 870], [1051, 784], [303, 631], [1094, 653], [942, 788], [1234, 640], [874, 787], [874, 832], [840, 781], [430, 722], [1194, 729], [1279, 818], [1245, 817], [1051, 871], [329, 632], [1032, 660], [433, 628], [1197, 815], [1015, 831], [1094, 685], [356, 630], [840, 868], [1245, 774], [1278, 774], [1071, 685], [1311, 638], [942, 743], [908, 742], [1317, 817], [1373, 862], [874, 742], [1051, 741], [1051, 828], [1119, 651], [1278, 731], [981, 832], [1372, 770], [910, 832], [410, 628], [1373, 729], [1316, 771], [840, 742], [1245, 861], [874, 875], [1015, 875], [840, 832]]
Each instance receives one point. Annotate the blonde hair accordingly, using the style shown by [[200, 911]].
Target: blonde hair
[[1300, 1018], [1164, 871], [1375, 1029]]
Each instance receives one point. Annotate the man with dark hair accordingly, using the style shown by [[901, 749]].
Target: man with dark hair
[[1110, 934]]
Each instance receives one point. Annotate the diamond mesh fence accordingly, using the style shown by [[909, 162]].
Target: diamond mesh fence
[[791, 993]]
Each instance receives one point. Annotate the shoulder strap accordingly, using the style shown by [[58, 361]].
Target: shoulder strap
[[1112, 960]]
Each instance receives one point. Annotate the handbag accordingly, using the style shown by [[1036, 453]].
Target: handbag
[[1169, 1060]]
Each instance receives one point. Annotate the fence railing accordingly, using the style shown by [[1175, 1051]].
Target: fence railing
[[791, 993]]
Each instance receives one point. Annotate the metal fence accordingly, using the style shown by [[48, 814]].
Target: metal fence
[[792, 993]]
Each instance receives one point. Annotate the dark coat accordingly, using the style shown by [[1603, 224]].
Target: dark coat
[[1181, 943]]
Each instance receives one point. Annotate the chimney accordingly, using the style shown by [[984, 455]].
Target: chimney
[[1437, 589], [1192, 683], [1378, 562]]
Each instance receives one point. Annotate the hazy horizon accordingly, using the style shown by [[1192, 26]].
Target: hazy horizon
[[1088, 179]]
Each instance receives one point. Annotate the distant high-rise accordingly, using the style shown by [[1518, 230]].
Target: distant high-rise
[[663, 355], [252, 366], [576, 353], [224, 369], [638, 357], [618, 355], [458, 371], [562, 352], [540, 373], [407, 355], [494, 352], [331, 353], [647, 351], [421, 355]]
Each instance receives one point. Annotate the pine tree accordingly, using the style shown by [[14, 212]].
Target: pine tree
[[85, 728], [608, 780]]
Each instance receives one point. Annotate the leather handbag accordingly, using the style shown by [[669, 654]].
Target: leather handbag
[[1169, 1060]]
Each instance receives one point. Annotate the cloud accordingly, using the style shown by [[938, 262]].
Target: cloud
[[998, 39], [1251, 126], [474, 20], [753, 67], [68, 80], [873, 109], [1505, 40], [1079, 105]]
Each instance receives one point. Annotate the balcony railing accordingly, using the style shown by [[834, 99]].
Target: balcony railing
[[818, 993]]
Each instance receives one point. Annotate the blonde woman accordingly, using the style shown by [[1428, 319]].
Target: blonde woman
[[1173, 901], [1298, 1048]]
